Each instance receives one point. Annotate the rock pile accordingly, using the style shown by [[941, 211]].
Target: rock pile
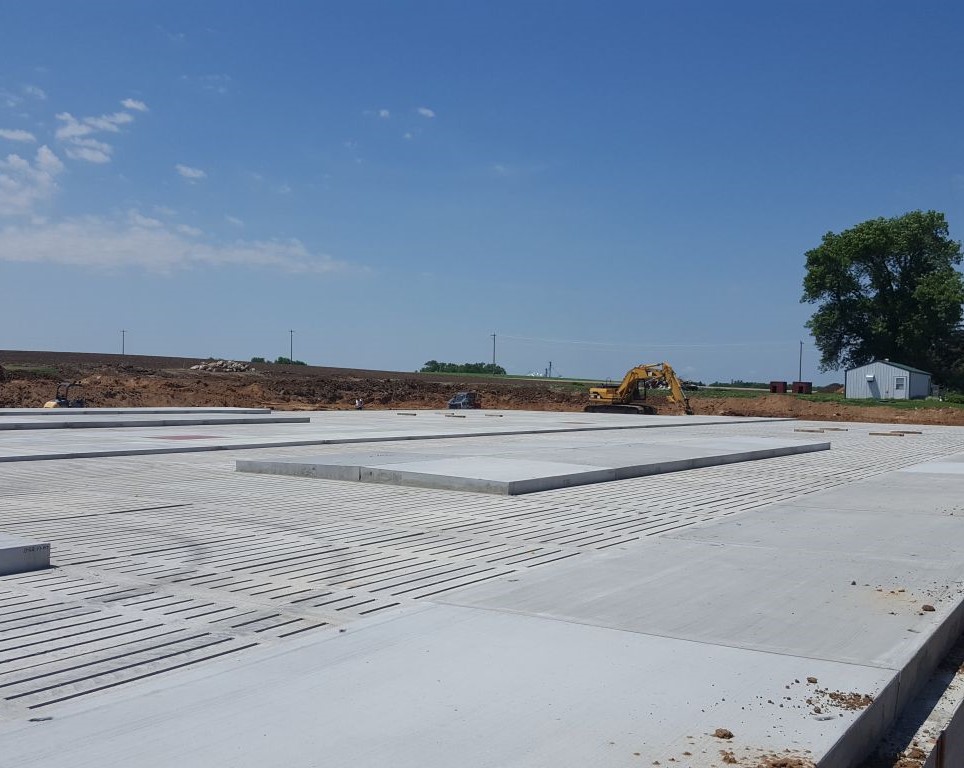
[[222, 366]]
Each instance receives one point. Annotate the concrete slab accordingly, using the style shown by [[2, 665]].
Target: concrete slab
[[914, 492], [455, 687], [19, 555], [128, 420], [524, 470], [195, 614], [715, 594], [487, 474], [59, 412], [939, 468], [327, 428]]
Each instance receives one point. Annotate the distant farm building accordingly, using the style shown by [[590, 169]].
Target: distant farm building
[[884, 380]]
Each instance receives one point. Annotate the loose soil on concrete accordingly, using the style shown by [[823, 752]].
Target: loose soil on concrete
[[28, 379]]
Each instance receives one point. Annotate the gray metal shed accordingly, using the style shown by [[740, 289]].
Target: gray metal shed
[[885, 380]]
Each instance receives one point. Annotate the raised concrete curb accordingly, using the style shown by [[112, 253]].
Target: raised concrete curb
[[18, 555], [82, 422], [122, 411], [513, 474]]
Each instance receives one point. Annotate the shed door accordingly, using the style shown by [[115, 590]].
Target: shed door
[[900, 387]]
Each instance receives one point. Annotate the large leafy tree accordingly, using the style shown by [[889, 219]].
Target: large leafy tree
[[888, 288]]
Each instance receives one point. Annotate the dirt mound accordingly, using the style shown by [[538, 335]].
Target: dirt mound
[[139, 381], [126, 381]]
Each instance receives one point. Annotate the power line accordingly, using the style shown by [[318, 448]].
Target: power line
[[649, 345]]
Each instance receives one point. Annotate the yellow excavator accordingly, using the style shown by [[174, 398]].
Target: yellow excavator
[[626, 397]]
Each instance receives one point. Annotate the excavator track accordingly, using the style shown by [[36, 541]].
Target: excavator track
[[641, 410]]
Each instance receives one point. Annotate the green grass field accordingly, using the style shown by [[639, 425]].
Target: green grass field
[[32, 371], [910, 405]]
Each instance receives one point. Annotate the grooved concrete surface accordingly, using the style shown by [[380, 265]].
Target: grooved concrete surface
[[200, 616]]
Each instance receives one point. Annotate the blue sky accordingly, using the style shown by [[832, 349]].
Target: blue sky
[[599, 184]]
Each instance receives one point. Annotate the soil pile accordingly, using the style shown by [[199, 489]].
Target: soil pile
[[28, 380]]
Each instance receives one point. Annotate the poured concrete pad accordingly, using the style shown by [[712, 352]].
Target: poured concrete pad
[[450, 686], [951, 465], [324, 428], [529, 470], [113, 421], [18, 555], [116, 411]]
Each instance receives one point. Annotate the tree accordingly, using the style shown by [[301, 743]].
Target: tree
[[887, 288], [434, 366]]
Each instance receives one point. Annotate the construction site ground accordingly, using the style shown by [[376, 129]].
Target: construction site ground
[[29, 379], [770, 613]]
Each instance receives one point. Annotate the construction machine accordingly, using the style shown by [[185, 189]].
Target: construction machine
[[62, 398], [626, 397], [465, 400]]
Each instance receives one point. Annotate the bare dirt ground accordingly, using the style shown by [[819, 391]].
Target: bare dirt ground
[[29, 379]]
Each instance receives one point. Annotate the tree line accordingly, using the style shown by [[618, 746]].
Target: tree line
[[434, 366], [279, 361]]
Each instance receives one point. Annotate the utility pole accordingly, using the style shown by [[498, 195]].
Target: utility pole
[[291, 346], [800, 369], [550, 370], [493, 349], [123, 340]]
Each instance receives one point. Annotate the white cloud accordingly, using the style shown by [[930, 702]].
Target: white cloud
[[408, 136], [187, 229], [25, 184], [218, 83], [73, 133], [109, 123], [48, 162], [426, 112], [139, 220], [91, 150], [141, 242], [234, 220], [71, 128], [88, 155], [35, 91], [15, 134], [137, 106], [189, 173], [384, 114]]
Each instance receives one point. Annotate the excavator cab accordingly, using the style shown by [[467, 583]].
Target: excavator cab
[[62, 397]]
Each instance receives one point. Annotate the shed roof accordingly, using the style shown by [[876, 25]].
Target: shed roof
[[903, 367]]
